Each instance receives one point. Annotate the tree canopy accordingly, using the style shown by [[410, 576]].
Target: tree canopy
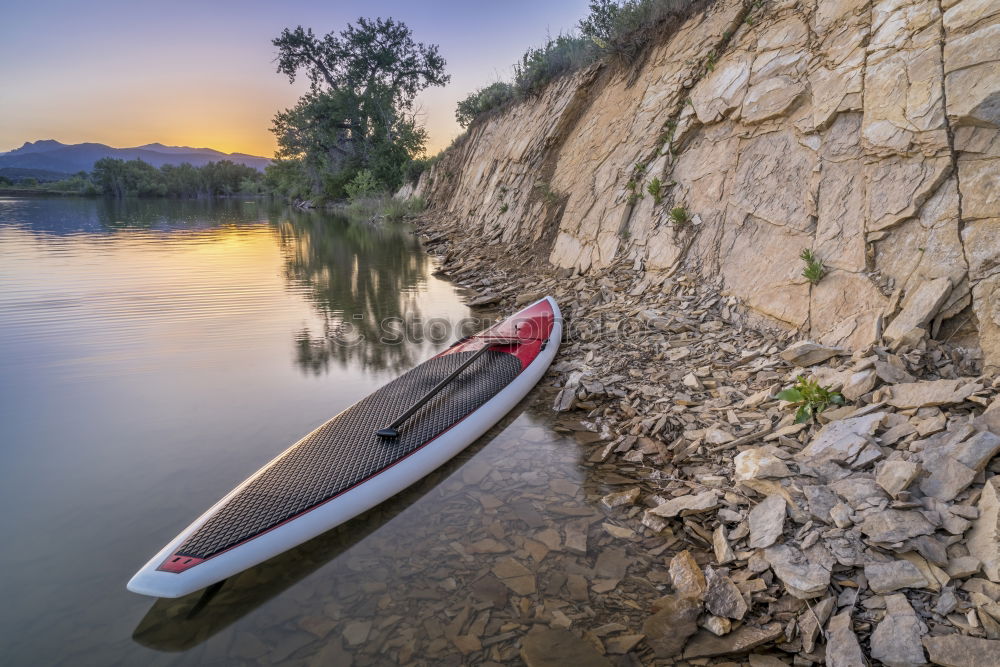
[[359, 111], [120, 178]]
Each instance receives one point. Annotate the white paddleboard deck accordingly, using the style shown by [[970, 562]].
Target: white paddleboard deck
[[343, 468]]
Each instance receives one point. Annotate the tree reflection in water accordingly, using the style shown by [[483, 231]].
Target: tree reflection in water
[[364, 280]]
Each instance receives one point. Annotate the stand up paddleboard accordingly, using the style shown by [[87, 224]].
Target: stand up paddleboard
[[366, 454]]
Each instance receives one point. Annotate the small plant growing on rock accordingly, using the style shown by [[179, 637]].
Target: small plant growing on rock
[[633, 186], [814, 270], [809, 398], [634, 194], [503, 208], [667, 133], [679, 215], [550, 196], [655, 189], [710, 61]]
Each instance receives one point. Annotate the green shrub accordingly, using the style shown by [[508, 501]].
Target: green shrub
[[363, 185], [612, 29], [560, 55], [333, 185], [485, 99], [679, 215], [810, 398], [623, 29], [710, 61], [414, 168], [814, 270], [655, 189], [504, 208]]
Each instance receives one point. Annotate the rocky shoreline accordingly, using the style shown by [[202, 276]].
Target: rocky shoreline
[[870, 535]]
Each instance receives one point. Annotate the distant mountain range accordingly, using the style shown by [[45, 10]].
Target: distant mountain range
[[54, 156]]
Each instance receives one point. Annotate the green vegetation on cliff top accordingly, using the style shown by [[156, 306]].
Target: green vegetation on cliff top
[[615, 31]]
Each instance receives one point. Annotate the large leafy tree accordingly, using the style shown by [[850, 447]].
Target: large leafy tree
[[359, 111]]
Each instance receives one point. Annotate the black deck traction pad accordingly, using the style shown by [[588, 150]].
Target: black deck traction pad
[[345, 450]]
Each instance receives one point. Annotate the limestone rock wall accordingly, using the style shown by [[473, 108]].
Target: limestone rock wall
[[866, 131]]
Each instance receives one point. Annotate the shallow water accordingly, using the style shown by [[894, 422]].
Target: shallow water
[[156, 353]]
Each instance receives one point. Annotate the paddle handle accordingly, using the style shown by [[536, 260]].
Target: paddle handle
[[392, 430]]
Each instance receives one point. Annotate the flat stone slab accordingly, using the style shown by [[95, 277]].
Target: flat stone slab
[[555, 647], [767, 522], [806, 353], [690, 504], [843, 440], [930, 393], [842, 648], [895, 526], [893, 575], [919, 307], [801, 578], [705, 644], [896, 639], [687, 577], [960, 651]]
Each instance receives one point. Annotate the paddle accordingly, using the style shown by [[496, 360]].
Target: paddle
[[392, 430]]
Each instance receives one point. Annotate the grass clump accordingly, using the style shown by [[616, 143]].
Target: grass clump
[[710, 61], [814, 270], [504, 208], [655, 189], [383, 206], [809, 398], [634, 185], [667, 135], [550, 196], [679, 215], [395, 210]]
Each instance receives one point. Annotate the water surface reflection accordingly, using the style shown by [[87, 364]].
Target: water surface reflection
[[149, 363], [157, 353], [368, 283]]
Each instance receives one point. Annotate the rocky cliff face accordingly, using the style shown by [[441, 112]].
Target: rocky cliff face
[[866, 131]]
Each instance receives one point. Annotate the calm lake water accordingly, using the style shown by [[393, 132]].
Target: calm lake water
[[155, 353]]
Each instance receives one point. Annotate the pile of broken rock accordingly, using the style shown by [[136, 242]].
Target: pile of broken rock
[[875, 531], [872, 534], [878, 529]]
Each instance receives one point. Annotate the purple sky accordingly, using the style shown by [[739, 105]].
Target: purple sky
[[202, 73]]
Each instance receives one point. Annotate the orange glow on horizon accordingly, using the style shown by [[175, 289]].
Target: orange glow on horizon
[[128, 78], [232, 117]]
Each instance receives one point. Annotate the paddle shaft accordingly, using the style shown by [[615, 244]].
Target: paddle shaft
[[391, 431]]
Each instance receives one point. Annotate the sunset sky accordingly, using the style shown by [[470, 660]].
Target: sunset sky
[[202, 73]]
